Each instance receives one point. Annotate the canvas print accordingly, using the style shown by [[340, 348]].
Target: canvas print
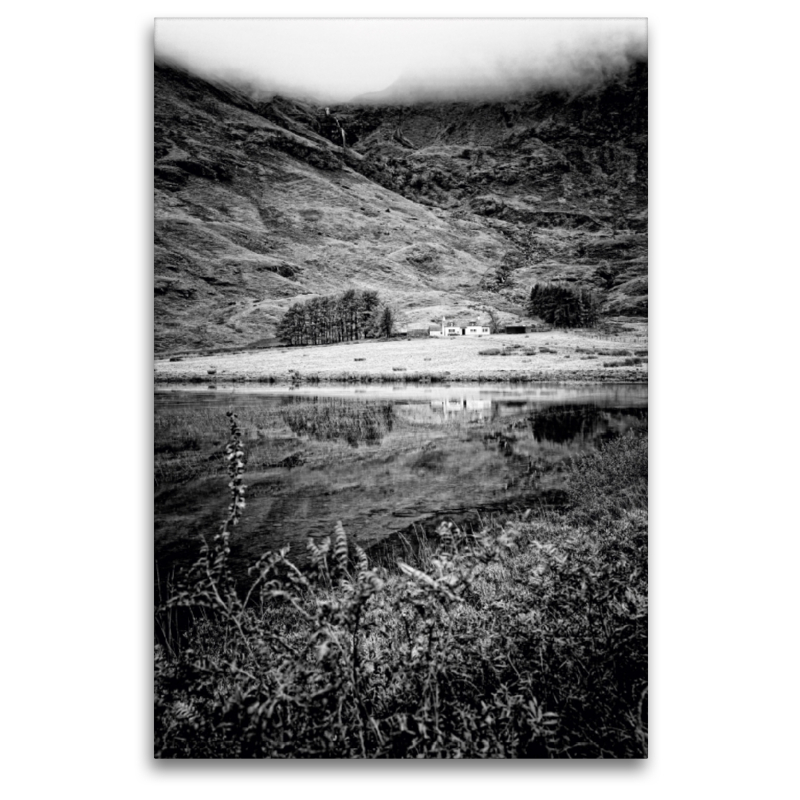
[[400, 406]]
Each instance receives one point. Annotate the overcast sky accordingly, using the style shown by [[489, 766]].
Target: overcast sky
[[338, 59]]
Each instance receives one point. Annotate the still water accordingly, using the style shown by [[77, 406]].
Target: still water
[[382, 459]]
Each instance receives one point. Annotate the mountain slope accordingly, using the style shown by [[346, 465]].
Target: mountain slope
[[257, 205]]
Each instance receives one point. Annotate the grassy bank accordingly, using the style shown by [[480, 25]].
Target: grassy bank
[[525, 638], [583, 356]]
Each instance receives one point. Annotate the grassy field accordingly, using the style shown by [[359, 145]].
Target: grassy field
[[554, 355], [525, 638]]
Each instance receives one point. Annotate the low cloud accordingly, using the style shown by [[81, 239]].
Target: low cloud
[[403, 61], [570, 69]]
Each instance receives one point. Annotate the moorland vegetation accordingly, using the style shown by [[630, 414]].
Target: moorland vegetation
[[525, 636]]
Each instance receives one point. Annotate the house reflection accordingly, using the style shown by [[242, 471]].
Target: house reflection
[[467, 407]]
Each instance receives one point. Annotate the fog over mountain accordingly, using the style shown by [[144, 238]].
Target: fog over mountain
[[402, 60], [507, 78]]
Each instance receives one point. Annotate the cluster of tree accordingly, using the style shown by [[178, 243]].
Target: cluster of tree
[[564, 306], [354, 314]]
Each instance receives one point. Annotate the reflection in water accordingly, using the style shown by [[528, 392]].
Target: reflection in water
[[560, 425], [329, 419], [431, 454], [477, 408]]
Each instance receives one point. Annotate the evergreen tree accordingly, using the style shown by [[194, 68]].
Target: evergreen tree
[[563, 306], [354, 314], [386, 322]]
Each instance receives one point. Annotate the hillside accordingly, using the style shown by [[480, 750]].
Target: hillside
[[257, 204]]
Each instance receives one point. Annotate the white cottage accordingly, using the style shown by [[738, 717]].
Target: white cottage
[[458, 330]]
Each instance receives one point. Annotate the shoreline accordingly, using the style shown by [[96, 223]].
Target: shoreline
[[560, 377]]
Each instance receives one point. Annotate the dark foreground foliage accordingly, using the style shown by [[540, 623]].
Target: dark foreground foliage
[[527, 639]]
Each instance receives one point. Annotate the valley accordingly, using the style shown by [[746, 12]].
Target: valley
[[258, 205]]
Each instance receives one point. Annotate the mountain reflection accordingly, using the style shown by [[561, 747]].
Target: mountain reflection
[[380, 460]]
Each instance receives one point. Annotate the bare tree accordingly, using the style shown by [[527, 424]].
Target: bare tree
[[494, 321]]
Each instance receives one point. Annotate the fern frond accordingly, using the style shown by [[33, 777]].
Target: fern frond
[[340, 547], [417, 575], [314, 553], [362, 564], [426, 581]]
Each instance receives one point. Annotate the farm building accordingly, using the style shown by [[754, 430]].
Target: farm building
[[470, 329], [526, 328]]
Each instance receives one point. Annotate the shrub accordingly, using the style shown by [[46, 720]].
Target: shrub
[[624, 362], [611, 480]]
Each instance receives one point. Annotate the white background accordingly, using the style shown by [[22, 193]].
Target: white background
[[77, 362]]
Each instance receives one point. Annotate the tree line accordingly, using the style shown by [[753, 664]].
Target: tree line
[[354, 314], [563, 306]]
